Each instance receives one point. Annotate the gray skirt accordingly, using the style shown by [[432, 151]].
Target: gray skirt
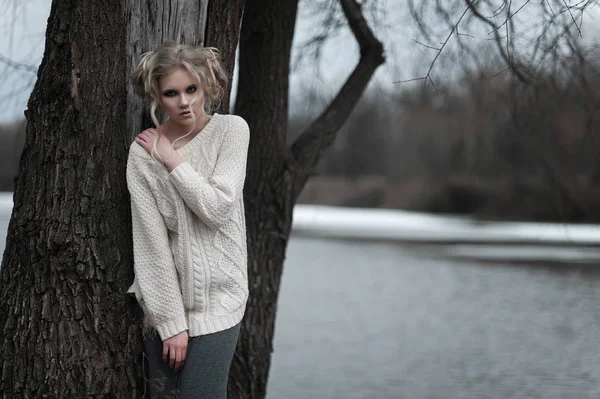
[[204, 373]]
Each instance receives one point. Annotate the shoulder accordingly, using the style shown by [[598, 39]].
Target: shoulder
[[138, 160], [236, 132], [137, 154], [234, 126]]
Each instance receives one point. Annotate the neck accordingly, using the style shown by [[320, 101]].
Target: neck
[[174, 129]]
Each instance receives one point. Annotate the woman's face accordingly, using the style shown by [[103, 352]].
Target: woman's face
[[179, 92]]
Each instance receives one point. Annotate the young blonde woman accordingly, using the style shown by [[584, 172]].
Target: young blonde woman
[[186, 178]]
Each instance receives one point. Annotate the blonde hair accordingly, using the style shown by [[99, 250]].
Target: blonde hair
[[203, 63]]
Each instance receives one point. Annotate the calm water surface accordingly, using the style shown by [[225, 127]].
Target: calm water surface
[[380, 321]]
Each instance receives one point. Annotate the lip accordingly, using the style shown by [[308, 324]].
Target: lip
[[186, 113]]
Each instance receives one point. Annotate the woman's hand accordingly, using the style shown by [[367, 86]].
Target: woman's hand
[[175, 349], [146, 140], [171, 159]]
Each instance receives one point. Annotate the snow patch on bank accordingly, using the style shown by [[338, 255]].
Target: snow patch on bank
[[383, 224], [443, 236]]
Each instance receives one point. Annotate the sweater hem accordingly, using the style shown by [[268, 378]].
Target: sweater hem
[[201, 324]]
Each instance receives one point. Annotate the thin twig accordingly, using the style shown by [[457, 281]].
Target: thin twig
[[573, 18], [455, 27], [409, 80], [18, 65], [424, 45]]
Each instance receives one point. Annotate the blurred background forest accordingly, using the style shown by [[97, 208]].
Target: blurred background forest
[[487, 145], [479, 139]]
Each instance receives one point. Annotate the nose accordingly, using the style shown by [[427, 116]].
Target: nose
[[184, 101]]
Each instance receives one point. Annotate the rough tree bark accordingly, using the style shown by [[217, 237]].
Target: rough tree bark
[[67, 328]]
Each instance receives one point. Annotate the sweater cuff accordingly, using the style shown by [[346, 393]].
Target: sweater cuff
[[172, 327], [182, 173]]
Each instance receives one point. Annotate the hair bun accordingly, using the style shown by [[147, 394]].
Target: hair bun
[[139, 78]]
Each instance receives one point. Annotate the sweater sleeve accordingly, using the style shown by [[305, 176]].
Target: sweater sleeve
[[153, 262], [213, 199]]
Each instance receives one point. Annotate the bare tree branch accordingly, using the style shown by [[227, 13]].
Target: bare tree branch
[[454, 28], [526, 47], [311, 51], [573, 18], [516, 69], [18, 65], [306, 151]]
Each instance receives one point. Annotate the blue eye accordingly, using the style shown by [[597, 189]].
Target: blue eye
[[191, 89], [169, 93]]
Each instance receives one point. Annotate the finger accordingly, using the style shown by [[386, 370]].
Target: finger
[[141, 138], [181, 358], [172, 357], [178, 362], [165, 352], [183, 354], [145, 145]]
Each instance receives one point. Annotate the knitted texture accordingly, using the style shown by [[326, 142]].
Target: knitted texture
[[189, 232]]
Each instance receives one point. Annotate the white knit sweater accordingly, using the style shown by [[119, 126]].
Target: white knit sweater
[[189, 232]]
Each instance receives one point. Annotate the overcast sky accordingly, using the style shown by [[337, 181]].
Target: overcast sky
[[23, 24], [22, 28]]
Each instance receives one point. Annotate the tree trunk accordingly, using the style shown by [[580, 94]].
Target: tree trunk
[[67, 329], [262, 99], [277, 174], [223, 32]]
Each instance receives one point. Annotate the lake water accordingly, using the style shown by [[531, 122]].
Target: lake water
[[379, 320], [368, 320]]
